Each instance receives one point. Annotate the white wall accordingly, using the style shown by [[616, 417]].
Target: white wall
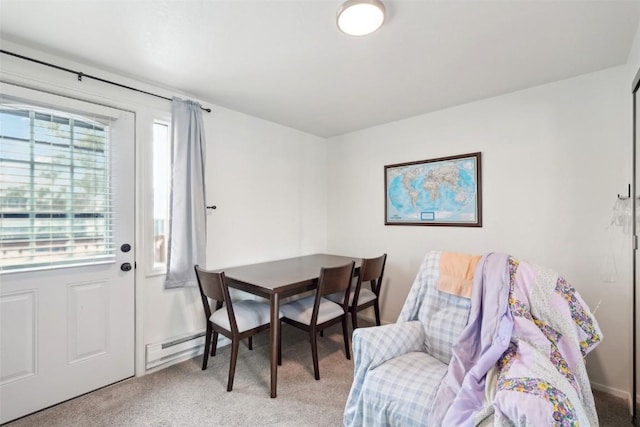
[[267, 181], [554, 159]]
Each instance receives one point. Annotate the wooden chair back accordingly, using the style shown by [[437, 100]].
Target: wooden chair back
[[371, 270], [335, 279]]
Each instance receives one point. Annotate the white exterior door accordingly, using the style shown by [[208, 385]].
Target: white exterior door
[[66, 216]]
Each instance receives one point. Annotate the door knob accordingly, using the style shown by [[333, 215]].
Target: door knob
[[125, 266]]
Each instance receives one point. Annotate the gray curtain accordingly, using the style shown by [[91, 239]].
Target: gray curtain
[[187, 229]]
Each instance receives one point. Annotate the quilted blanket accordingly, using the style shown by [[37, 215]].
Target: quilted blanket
[[521, 355]]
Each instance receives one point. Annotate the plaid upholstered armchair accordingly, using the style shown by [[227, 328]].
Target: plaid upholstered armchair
[[512, 353], [398, 367]]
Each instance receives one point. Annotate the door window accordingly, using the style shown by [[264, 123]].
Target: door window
[[55, 201]]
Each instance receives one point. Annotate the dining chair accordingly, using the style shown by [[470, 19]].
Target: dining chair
[[315, 313], [235, 320], [361, 297]]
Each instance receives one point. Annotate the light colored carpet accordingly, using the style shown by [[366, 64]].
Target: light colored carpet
[[612, 411], [184, 395]]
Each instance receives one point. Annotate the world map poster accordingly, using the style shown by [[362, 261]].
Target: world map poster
[[443, 191]]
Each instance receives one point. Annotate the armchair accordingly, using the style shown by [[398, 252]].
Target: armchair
[[504, 345], [398, 367]]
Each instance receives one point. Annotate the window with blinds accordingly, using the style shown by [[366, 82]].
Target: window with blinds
[[55, 204]]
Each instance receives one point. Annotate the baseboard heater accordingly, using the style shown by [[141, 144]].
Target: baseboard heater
[[177, 348]]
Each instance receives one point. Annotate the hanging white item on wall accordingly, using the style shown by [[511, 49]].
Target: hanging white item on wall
[[621, 214], [620, 219]]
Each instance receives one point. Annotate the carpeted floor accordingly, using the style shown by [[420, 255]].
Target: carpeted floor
[[612, 411], [183, 395]]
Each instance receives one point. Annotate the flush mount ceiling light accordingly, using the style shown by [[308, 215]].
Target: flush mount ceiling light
[[360, 17]]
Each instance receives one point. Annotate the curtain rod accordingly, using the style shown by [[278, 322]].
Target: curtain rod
[[80, 75]]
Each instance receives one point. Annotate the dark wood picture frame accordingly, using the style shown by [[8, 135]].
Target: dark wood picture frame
[[454, 181]]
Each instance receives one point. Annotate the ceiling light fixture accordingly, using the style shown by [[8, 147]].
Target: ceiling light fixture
[[360, 17]]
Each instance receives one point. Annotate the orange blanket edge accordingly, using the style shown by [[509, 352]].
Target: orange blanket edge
[[456, 273]]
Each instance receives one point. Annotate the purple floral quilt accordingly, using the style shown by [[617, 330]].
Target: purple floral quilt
[[535, 377]]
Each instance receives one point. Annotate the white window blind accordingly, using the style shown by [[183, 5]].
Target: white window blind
[[55, 202]]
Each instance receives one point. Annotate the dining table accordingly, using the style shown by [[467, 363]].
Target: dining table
[[279, 279]]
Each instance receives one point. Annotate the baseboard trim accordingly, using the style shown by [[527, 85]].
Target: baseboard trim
[[612, 391], [372, 319], [615, 392]]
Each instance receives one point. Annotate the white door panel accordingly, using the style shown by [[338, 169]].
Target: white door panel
[[66, 331], [18, 334]]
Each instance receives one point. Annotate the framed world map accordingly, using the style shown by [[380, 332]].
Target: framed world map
[[443, 191]]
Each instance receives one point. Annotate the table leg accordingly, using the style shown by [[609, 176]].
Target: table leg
[[275, 339]]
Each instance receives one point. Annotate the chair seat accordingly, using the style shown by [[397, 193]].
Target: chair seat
[[301, 310], [366, 295], [412, 377], [249, 314]]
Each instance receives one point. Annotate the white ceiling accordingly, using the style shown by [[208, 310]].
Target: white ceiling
[[286, 62]]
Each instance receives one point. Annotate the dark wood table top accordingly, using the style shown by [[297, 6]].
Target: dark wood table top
[[285, 275]]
